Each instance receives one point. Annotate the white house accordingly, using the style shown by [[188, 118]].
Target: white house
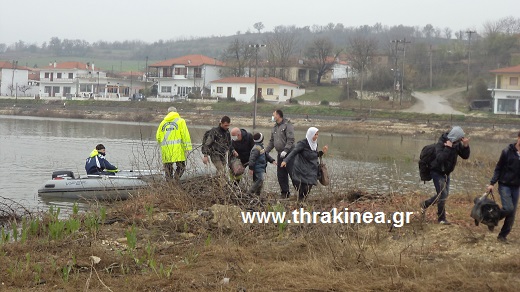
[[243, 88], [75, 78], [180, 76], [506, 93], [14, 80]]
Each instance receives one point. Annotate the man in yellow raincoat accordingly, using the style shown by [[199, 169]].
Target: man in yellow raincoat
[[174, 139]]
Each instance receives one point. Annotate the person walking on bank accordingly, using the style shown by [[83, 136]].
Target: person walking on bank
[[305, 168], [258, 164], [175, 142], [242, 143], [216, 144], [96, 163], [282, 139], [448, 148], [507, 174]]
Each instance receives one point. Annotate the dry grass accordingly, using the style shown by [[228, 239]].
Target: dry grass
[[173, 229]]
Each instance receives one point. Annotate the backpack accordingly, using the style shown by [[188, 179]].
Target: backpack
[[486, 211], [206, 135], [425, 159]]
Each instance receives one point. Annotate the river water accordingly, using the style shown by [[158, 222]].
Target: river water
[[31, 148]]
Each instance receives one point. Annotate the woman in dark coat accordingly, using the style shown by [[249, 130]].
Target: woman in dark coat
[[305, 166]]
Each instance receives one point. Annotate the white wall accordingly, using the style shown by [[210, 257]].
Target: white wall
[[16, 77]]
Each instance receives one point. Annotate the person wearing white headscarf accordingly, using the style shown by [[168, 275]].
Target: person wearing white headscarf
[[305, 169]]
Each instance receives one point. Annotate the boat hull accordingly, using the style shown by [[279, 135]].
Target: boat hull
[[92, 188]]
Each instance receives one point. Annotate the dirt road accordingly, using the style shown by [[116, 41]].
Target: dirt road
[[434, 102]]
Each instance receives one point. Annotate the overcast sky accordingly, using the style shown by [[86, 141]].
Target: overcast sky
[[36, 21]]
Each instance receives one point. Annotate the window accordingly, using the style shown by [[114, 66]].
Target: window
[[47, 74], [85, 88], [71, 75], [66, 89], [513, 80], [47, 89], [58, 75], [270, 91], [506, 105], [166, 89], [243, 90], [56, 89], [197, 72], [180, 71], [220, 89], [285, 92]]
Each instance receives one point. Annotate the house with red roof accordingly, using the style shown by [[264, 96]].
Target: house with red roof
[[186, 74], [506, 93], [72, 78], [16, 80], [243, 89]]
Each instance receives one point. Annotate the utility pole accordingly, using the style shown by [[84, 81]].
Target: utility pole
[[256, 46], [469, 32], [431, 70], [15, 65], [395, 68], [146, 77], [402, 71]]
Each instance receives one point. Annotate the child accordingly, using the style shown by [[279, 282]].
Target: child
[[257, 164]]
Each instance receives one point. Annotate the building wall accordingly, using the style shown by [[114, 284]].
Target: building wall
[[13, 76], [507, 81], [506, 101], [277, 94]]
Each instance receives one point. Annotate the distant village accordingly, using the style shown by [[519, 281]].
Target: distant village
[[196, 76], [199, 77]]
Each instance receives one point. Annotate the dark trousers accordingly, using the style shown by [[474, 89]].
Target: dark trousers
[[283, 174], [258, 182], [179, 171], [442, 187], [303, 190], [509, 199]]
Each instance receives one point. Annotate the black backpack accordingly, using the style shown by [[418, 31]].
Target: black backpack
[[425, 159]]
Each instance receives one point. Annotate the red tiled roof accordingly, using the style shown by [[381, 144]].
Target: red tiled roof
[[9, 65], [189, 61], [251, 80], [71, 65], [514, 69]]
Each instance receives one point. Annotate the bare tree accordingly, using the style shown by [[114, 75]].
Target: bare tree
[[11, 88], [237, 56], [361, 48], [321, 56], [510, 25], [437, 32], [280, 46], [24, 88], [447, 33], [258, 26]]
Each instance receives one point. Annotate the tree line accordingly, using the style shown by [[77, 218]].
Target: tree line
[[439, 50]]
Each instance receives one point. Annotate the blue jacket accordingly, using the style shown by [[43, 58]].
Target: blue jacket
[[258, 158], [96, 164]]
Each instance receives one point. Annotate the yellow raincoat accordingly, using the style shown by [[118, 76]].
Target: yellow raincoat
[[174, 138]]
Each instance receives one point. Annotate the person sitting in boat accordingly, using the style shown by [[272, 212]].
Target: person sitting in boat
[[97, 164]]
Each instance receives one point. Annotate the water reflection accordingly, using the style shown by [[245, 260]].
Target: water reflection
[[31, 148]]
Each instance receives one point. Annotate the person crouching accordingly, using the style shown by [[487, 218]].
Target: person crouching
[[258, 163]]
